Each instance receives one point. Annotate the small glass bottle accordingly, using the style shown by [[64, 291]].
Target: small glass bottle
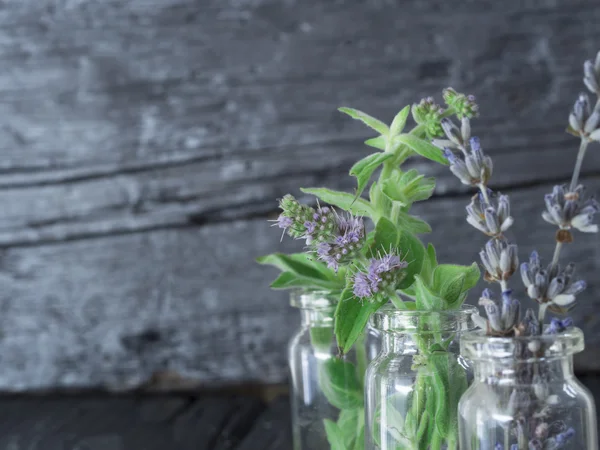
[[414, 384], [327, 390], [525, 395]]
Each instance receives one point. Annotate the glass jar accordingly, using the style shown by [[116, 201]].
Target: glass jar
[[327, 390], [525, 395], [414, 384]]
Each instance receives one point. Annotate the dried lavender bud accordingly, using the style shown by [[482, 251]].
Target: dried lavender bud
[[571, 209], [453, 133], [583, 121], [536, 444], [591, 75], [500, 260], [464, 105], [555, 285], [491, 219], [541, 431], [345, 243], [564, 437], [530, 325], [558, 326], [383, 273], [476, 169], [501, 320]]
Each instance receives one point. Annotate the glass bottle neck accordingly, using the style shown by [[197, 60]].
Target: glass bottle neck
[[316, 317], [514, 372], [401, 344]]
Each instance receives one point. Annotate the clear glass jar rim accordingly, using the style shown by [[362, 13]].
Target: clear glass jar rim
[[314, 300], [475, 345], [391, 319]]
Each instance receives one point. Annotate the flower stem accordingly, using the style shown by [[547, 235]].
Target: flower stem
[[580, 155], [484, 192]]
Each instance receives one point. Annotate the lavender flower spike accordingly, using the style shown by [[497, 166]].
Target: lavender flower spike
[[503, 319], [491, 219], [476, 169], [500, 260], [591, 75], [571, 210]]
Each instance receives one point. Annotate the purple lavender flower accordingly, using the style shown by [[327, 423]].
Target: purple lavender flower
[[583, 121], [554, 286], [501, 319], [383, 273], [475, 169], [591, 75], [571, 209], [492, 219], [500, 260], [558, 326]]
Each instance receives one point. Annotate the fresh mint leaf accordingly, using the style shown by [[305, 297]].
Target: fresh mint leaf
[[386, 238], [290, 280], [299, 264], [340, 384], [426, 299], [377, 142], [413, 252], [368, 120], [423, 148], [447, 273], [334, 435], [399, 121], [364, 168], [351, 317], [342, 200], [412, 224]]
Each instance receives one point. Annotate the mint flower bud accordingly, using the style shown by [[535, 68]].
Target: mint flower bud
[[345, 242], [571, 210], [428, 113], [464, 105], [491, 219], [500, 260], [382, 274], [295, 217]]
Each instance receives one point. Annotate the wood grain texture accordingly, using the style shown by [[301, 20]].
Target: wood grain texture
[[144, 143], [144, 423]]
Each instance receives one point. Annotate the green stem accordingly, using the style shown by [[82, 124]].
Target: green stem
[[578, 163]]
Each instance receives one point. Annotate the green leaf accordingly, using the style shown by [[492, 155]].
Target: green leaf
[[340, 384], [413, 252], [296, 264], [447, 273], [368, 120], [379, 201], [376, 142], [426, 299], [449, 383], [351, 317], [321, 338], [342, 200], [429, 265], [334, 435], [412, 224], [386, 238], [290, 280], [399, 121], [349, 423], [423, 148], [451, 291], [364, 168]]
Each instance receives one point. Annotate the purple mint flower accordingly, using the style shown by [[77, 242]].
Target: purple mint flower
[[284, 221], [349, 232], [382, 273], [362, 286]]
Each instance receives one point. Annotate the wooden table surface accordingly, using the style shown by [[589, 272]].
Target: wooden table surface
[[153, 422]]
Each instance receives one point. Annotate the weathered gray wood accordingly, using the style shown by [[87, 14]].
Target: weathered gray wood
[[146, 423], [114, 311], [133, 131]]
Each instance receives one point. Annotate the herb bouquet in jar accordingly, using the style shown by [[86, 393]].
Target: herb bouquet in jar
[[365, 262]]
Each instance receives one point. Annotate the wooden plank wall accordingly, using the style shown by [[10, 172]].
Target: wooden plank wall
[[144, 143]]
